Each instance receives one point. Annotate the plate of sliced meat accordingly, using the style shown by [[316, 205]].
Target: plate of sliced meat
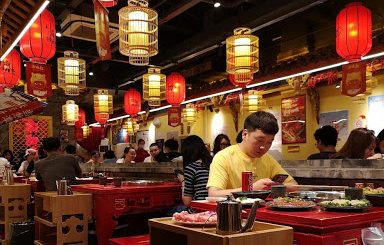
[[203, 219]]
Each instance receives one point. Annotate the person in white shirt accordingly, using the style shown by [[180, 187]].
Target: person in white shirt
[[28, 166], [3, 162], [129, 155]]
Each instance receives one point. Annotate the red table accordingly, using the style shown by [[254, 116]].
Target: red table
[[91, 180], [316, 227], [110, 202]]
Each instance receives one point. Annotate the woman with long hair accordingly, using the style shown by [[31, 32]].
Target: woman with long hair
[[221, 142], [196, 159], [360, 144]]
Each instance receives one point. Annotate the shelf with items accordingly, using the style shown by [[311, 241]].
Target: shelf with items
[[62, 219]]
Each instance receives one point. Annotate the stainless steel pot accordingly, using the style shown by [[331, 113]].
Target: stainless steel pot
[[229, 220]]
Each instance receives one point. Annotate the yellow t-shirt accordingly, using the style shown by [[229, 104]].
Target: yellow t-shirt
[[228, 164]]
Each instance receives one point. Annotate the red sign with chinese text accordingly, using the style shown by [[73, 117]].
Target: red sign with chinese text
[[293, 121], [102, 31], [174, 116], [354, 79], [38, 77]]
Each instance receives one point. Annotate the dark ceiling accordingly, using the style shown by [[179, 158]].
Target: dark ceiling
[[192, 35]]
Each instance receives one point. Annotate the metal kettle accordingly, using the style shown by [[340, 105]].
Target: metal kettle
[[8, 175], [63, 187], [229, 219]]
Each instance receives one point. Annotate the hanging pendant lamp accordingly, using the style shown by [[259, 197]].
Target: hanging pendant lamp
[[138, 32], [71, 73]]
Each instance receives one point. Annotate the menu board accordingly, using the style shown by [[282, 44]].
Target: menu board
[[293, 121]]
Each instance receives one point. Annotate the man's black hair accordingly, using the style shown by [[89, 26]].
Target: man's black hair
[[263, 121], [51, 144], [172, 144], [327, 134], [70, 149]]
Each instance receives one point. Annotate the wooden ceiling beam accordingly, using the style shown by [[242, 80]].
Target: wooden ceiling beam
[[36, 5], [15, 10], [22, 6], [14, 17]]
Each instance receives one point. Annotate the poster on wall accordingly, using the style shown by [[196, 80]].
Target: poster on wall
[[293, 120], [354, 79], [375, 113], [144, 135], [338, 120], [276, 144]]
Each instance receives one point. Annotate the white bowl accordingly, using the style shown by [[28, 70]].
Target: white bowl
[[215, 199]]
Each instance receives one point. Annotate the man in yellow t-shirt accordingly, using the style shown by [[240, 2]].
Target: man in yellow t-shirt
[[251, 154]]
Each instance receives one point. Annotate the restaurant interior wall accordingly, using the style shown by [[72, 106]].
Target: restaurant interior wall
[[207, 125]]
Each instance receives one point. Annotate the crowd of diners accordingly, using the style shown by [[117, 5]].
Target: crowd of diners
[[205, 172]]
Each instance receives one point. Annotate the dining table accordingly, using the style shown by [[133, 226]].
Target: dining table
[[315, 226], [110, 202]]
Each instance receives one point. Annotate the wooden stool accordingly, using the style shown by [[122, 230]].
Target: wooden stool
[[62, 219], [131, 240], [13, 206]]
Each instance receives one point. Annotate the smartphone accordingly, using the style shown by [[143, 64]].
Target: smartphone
[[178, 171], [280, 178]]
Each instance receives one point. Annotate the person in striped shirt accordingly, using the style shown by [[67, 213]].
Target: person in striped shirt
[[196, 160]]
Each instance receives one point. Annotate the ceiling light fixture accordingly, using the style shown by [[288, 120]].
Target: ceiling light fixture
[[216, 4], [26, 28], [90, 73], [138, 32], [58, 34]]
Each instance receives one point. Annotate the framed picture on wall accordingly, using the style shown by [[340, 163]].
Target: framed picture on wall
[[293, 120]]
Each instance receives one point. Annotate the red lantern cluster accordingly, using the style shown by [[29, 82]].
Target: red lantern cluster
[[82, 118], [353, 32], [108, 3], [39, 42], [175, 89], [101, 118], [132, 102], [10, 69]]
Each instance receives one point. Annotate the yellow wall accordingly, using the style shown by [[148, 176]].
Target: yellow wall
[[209, 124]]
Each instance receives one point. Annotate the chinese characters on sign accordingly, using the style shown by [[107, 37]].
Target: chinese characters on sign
[[354, 79], [293, 120], [174, 116], [102, 31], [38, 78]]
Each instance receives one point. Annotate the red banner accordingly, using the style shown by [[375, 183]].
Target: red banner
[[38, 77], [16, 105], [293, 120], [174, 116], [102, 31], [354, 79]]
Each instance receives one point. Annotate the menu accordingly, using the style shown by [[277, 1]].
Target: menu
[[293, 121]]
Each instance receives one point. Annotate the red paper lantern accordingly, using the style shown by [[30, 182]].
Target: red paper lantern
[[353, 32], [132, 102], [10, 70], [108, 3], [101, 118], [81, 121], [232, 79], [175, 91], [39, 42]]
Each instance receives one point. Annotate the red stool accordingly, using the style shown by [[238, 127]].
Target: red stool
[[131, 240]]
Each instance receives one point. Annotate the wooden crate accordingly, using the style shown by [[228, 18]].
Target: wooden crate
[[165, 231], [62, 219], [13, 207]]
